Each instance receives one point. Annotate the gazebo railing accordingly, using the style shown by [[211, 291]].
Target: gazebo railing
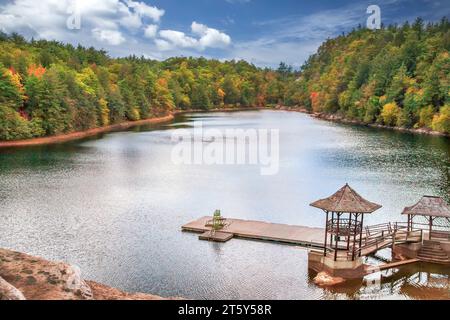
[[440, 235], [346, 227]]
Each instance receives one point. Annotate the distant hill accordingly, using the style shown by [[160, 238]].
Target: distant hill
[[396, 76]]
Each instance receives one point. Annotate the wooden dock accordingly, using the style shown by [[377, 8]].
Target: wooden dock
[[258, 230]]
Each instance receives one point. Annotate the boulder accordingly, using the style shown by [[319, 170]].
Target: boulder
[[324, 279], [24, 277], [40, 279]]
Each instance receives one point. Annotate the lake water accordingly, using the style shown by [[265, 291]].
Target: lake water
[[114, 205]]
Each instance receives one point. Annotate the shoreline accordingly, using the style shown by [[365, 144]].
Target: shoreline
[[83, 134], [340, 119], [164, 119], [78, 135]]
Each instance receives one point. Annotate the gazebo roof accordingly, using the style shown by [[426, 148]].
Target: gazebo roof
[[429, 206], [346, 200]]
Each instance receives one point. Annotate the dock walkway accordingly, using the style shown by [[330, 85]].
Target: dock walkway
[[258, 230]]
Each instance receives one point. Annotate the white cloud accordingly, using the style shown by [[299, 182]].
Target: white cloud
[[151, 31], [145, 10], [102, 21], [108, 24], [178, 39], [206, 38], [164, 45], [112, 37], [210, 38]]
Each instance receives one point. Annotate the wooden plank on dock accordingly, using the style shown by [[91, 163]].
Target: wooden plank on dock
[[216, 236], [390, 265], [258, 230]]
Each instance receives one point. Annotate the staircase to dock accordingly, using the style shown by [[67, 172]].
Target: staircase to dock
[[432, 251]]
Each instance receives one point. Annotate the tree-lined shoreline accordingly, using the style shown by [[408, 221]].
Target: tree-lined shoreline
[[397, 77], [79, 135], [340, 119], [48, 88]]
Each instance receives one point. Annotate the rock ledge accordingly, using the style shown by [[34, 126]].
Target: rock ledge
[[24, 277]]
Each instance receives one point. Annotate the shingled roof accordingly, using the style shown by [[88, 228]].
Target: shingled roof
[[346, 200], [429, 206]]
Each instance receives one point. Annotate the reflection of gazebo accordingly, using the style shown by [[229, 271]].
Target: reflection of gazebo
[[432, 209], [344, 230]]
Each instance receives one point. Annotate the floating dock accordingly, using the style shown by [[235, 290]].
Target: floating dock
[[258, 230], [216, 236]]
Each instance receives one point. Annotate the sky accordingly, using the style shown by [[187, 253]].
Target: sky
[[263, 32]]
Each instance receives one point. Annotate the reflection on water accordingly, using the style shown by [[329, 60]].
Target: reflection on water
[[114, 206], [416, 281]]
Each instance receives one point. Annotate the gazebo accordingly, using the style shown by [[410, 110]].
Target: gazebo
[[344, 229], [432, 209]]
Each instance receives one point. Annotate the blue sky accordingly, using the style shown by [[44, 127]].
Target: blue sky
[[260, 31]]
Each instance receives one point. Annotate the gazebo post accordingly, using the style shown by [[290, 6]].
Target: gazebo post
[[326, 236], [331, 234], [354, 236], [431, 228], [349, 228], [360, 234], [336, 237]]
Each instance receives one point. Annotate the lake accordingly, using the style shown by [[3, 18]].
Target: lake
[[114, 206]]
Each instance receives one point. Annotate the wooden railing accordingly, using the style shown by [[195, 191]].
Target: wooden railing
[[375, 230], [440, 235], [384, 239], [425, 227], [381, 236]]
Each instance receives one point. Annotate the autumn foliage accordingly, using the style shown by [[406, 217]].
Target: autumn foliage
[[49, 88], [37, 71], [396, 76]]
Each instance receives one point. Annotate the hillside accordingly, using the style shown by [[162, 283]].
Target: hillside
[[396, 76], [48, 88]]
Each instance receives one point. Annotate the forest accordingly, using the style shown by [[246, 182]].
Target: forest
[[396, 76], [50, 88]]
